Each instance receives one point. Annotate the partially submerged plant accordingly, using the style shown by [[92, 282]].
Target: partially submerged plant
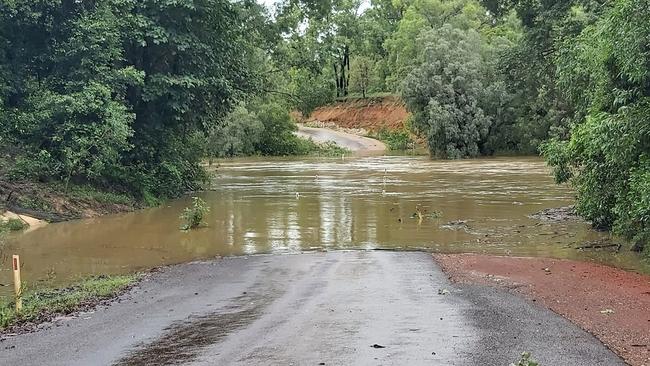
[[193, 215], [525, 360]]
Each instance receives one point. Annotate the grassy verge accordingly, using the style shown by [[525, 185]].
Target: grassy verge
[[12, 225], [328, 149], [307, 147], [100, 196], [44, 305], [398, 140]]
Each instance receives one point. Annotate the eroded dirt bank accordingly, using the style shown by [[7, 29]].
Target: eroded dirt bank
[[370, 114], [52, 203], [610, 303]]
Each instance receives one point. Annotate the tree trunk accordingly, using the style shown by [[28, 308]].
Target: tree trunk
[[338, 81], [346, 63]]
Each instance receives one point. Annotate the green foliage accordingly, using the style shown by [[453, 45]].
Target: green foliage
[[115, 93], [237, 135], [45, 304], [311, 90], [90, 193], [362, 75], [404, 46], [398, 140], [453, 95], [12, 225], [328, 149], [607, 157], [192, 216], [525, 360], [278, 137]]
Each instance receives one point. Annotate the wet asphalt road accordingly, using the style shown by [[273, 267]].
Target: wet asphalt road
[[310, 309], [349, 141]]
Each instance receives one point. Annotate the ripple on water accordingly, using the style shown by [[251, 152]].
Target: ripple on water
[[360, 203]]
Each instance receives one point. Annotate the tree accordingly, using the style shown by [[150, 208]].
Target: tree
[[404, 50], [604, 72], [361, 75], [237, 135], [457, 100], [113, 93]]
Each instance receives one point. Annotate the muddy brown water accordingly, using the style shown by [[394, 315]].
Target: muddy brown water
[[294, 205]]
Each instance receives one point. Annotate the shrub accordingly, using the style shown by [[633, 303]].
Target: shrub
[[396, 140], [12, 225], [193, 215]]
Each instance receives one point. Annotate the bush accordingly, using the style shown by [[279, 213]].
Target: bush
[[607, 159], [452, 93], [396, 140], [193, 215], [12, 225]]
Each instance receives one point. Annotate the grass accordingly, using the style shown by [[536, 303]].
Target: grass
[[396, 140], [44, 305], [307, 147], [12, 225], [330, 149], [105, 197], [34, 203]]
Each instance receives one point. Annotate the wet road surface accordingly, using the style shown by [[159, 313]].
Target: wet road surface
[[349, 141], [310, 309]]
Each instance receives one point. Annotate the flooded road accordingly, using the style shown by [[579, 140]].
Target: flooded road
[[336, 308], [294, 205]]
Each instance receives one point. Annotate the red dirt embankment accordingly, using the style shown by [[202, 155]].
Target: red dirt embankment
[[371, 114], [610, 303]]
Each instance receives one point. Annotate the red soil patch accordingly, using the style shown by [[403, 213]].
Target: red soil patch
[[585, 293], [370, 114]]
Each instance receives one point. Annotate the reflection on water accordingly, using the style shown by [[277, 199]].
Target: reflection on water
[[282, 205]]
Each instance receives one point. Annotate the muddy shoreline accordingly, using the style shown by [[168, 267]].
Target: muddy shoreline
[[610, 303], [49, 202]]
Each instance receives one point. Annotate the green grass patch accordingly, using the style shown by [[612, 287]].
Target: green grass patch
[[329, 149], [34, 203], [105, 197], [43, 305], [398, 140], [12, 225]]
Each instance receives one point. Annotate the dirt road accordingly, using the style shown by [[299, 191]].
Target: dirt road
[[337, 308], [611, 303], [346, 140]]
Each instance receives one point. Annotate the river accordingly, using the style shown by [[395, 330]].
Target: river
[[291, 205]]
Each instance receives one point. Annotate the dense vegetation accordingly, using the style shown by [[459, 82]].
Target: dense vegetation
[[132, 94]]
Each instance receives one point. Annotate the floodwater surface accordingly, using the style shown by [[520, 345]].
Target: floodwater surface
[[294, 205]]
